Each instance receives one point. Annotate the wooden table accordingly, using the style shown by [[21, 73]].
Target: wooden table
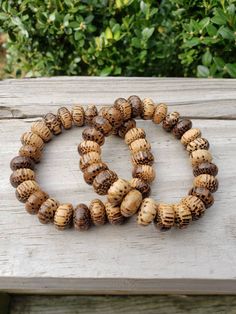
[[127, 259]]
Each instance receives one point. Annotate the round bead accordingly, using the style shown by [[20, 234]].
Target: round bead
[[88, 159], [134, 134], [89, 114], [114, 214], [125, 127], [148, 211], [91, 134], [140, 145], [40, 128], [165, 217], [35, 200], [195, 205], [20, 175], [199, 156], [103, 181], [205, 167], [65, 117], [93, 170], [190, 136], [32, 139], [53, 123], [148, 108], [131, 203], [25, 189], [141, 186], [170, 121], [63, 216], [102, 124], [97, 212], [159, 113], [182, 215], [204, 194], [113, 115], [47, 210], [144, 172], [117, 191], [77, 113], [181, 127], [124, 107], [198, 143], [87, 147], [206, 181], [143, 158], [81, 218], [136, 104], [31, 152]]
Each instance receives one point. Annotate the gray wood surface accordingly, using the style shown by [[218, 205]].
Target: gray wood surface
[[128, 258]]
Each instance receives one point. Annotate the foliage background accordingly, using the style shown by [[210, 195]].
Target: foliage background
[[119, 37]]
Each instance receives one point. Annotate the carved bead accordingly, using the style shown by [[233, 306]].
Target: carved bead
[[91, 134], [131, 203], [103, 181], [148, 108], [195, 205], [19, 162], [77, 113], [148, 211], [144, 172], [89, 114], [198, 143], [102, 124], [25, 189], [190, 136], [159, 113], [34, 202], [181, 127], [32, 139], [93, 170], [114, 214], [40, 128], [134, 134], [31, 152], [97, 212], [199, 156], [141, 186], [143, 158], [124, 107], [205, 167], [87, 147], [170, 121], [182, 215], [206, 181], [20, 175], [165, 217], [81, 218], [125, 127], [114, 116], [204, 194], [140, 145], [136, 104], [53, 123], [88, 159], [65, 117], [47, 210], [63, 216], [117, 191]]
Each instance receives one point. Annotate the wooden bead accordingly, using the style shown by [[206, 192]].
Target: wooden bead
[[102, 124], [181, 127], [65, 117], [170, 121], [190, 136], [63, 216], [113, 115], [125, 127], [143, 158], [144, 172], [140, 185], [165, 217], [131, 203], [89, 114], [32, 139], [31, 152], [124, 107], [53, 123], [117, 191], [88, 159], [19, 162], [91, 134], [136, 104], [148, 108], [114, 214], [206, 181], [199, 156], [34, 202], [134, 134], [81, 218], [20, 175], [204, 194], [97, 212], [47, 210], [182, 215], [148, 211], [205, 167], [77, 113], [140, 145], [40, 128], [103, 181], [25, 189], [159, 113], [198, 143], [88, 146], [195, 205], [93, 170]]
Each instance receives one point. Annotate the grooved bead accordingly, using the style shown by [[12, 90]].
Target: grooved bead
[[25, 189], [165, 217], [134, 134], [91, 134], [199, 156], [143, 158], [204, 194], [81, 218], [205, 167], [103, 181], [53, 123], [140, 145], [147, 212], [181, 127], [114, 214], [40, 128], [31, 152], [93, 170], [19, 162], [47, 210], [136, 104], [63, 216], [20, 175], [198, 143], [113, 115], [88, 159], [131, 203], [32, 139], [102, 124], [148, 108], [190, 136], [65, 117], [97, 212], [159, 113], [89, 114], [144, 172], [124, 107], [125, 127], [77, 113], [206, 181], [182, 215], [170, 121], [195, 205], [117, 191], [141, 186], [34, 202], [87, 147]]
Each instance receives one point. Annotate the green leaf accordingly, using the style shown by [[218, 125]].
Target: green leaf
[[106, 71], [211, 29], [202, 71], [231, 69], [207, 58], [203, 23], [219, 62], [135, 42], [147, 33], [192, 42], [226, 33], [108, 33]]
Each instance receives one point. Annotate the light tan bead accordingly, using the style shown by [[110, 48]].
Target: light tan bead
[[47, 210], [131, 203], [195, 205], [32, 139], [88, 146], [65, 117], [159, 113], [53, 123], [77, 113], [199, 156], [190, 136], [88, 159], [182, 215], [124, 107], [144, 172], [141, 186], [40, 128], [148, 108], [198, 143], [170, 121], [139, 145], [34, 201], [114, 214], [97, 212], [89, 113], [31, 152], [25, 189], [148, 211], [117, 191], [20, 175], [134, 134], [142, 158], [113, 115], [165, 218], [63, 216], [206, 181]]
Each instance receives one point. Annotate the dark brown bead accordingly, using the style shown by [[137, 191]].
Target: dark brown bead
[[102, 124], [103, 181], [91, 134], [35, 201], [20, 175], [124, 107], [89, 114], [143, 158], [53, 123], [19, 162], [113, 115], [170, 121], [141, 186], [205, 168], [81, 218], [204, 195], [181, 127], [47, 210], [125, 127], [93, 170], [136, 104]]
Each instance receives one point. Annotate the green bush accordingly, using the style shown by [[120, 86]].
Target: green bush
[[120, 37]]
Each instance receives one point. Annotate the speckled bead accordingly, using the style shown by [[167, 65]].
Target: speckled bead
[[136, 104], [117, 191], [147, 212], [40, 128], [53, 123], [206, 181], [89, 159], [124, 107], [160, 113], [144, 172], [102, 124], [181, 127], [198, 143], [114, 214], [19, 162], [63, 216], [103, 181], [140, 185], [170, 121], [142, 158], [131, 203], [65, 117], [88, 146], [47, 210], [148, 108], [139, 145], [205, 168], [97, 212], [165, 217], [199, 156], [134, 134], [113, 115], [91, 134], [125, 127], [190, 136], [20, 175], [81, 217], [195, 205], [25, 189], [183, 215], [77, 113], [32, 139], [89, 113], [34, 202], [93, 170], [204, 194], [31, 152]]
